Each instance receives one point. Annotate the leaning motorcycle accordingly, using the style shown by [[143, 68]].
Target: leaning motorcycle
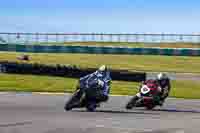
[[85, 97], [149, 96]]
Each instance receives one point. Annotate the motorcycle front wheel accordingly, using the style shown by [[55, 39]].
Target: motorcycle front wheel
[[74, 100], [131, 103]]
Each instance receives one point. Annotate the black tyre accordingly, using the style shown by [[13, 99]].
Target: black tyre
[[72, 101], [132, 102], [91, 107], [129, 106], [150, 107], [68, 107], [69, 104]]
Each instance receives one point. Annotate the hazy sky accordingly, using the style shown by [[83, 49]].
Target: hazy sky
[[106, 16]]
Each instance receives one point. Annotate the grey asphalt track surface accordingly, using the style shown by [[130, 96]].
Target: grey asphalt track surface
[[25, 113]]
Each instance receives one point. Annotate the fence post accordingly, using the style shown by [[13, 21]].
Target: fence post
[[65, 38], [111, 38], [47, 38], [83, 37], [101, 36], [56, 37], [8, 38], [136, 38], [181, 38], [119, 37], [27, 38], [93, 37], [163, 37], [37, 38], [127, 38], [199, 38]]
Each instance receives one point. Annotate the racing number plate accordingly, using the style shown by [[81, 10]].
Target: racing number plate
[[145, 89]]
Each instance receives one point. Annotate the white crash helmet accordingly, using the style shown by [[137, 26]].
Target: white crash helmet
[[102, 68], [162, 76], [101, 71]]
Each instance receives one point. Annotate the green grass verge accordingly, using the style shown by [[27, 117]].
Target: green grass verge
[[128, 62], [125, 44], [16, 82], [32, 83]]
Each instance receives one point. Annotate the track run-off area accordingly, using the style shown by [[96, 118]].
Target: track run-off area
[[44, 113]]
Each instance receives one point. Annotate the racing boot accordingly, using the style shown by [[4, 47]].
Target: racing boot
[[100, 99], [98, 105], [161, 102]]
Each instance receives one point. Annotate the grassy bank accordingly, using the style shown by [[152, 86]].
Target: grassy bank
[[128, 62], [126, 44], [132, 44], [31, 83]]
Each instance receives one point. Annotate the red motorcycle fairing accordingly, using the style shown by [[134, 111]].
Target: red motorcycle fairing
[[148, 96], [151, 88], [147, 100]]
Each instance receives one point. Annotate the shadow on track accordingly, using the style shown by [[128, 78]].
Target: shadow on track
[[16, 124], [121, 112], [177, 110]]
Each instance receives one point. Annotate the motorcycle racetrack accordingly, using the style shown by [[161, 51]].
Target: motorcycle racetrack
[[41, 113]]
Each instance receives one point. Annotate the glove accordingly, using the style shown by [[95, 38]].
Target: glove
[[165, 93], [159, 89], [100, 83]]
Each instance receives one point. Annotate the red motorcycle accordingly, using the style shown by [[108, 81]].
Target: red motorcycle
[[149, 96]]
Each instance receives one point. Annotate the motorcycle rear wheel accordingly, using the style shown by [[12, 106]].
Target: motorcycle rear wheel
[[150, 107], [91, 108]]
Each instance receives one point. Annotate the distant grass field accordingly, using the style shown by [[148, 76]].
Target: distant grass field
[[127, 44], [32, 83], [129, 62]]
